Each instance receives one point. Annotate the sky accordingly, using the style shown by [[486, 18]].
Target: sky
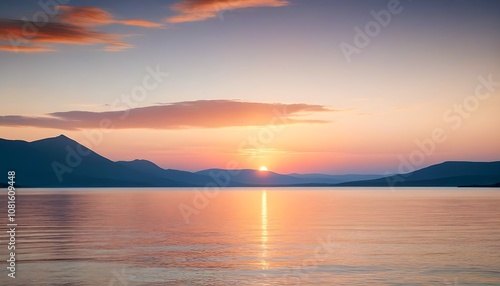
[[295, 85]]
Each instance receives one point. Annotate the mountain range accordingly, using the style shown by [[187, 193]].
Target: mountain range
[[61, 162]]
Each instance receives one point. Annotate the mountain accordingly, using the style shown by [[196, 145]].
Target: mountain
[[335, 179], [256, 178], [62, 162], [144, 166], [447, 174]]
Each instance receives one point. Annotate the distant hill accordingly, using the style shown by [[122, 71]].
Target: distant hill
[[61, 162], [335, 179], [194, 179], [257, 178], [497, 185], [447, 174]]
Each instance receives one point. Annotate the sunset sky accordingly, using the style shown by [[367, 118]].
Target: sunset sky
[[196, 84]]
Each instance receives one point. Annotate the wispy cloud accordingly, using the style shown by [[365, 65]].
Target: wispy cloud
[[199, 10], [73, 25], [93, 16], [85, 16], [25, 49], [48, 34], [179, 115], [141, 23]]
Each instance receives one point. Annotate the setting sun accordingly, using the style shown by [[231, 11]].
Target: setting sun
[[263, 169]]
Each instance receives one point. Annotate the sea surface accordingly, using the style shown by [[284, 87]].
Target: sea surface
[[254, 236]]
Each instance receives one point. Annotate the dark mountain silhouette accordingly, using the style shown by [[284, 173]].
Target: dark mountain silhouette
[[447, 174], [335, 179], [497, 185], [63, 162], [37, 163], [144, 166]]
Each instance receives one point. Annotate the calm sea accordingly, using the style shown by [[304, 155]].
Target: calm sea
[[255, 237]]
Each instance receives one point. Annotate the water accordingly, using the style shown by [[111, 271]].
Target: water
[[256, 237]]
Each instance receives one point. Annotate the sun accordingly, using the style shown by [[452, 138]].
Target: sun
[[263, 169]]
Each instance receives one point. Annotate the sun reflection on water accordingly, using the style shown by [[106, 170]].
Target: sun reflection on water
[[263, 238]]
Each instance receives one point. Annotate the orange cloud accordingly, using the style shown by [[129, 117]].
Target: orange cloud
[[117, 47], [141, 23], [74, 25], [199, 10], [180, 115], [27, 36], [85, 16], [24, 49], [93, 16]]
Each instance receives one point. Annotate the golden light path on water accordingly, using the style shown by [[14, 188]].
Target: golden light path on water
[[263, 238]]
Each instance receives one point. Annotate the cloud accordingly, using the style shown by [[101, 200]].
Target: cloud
[[15, 33], [141, 23], [85, 16], [199, 10], [73, 25], [93, 16], [179, 115], [25, 49]]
